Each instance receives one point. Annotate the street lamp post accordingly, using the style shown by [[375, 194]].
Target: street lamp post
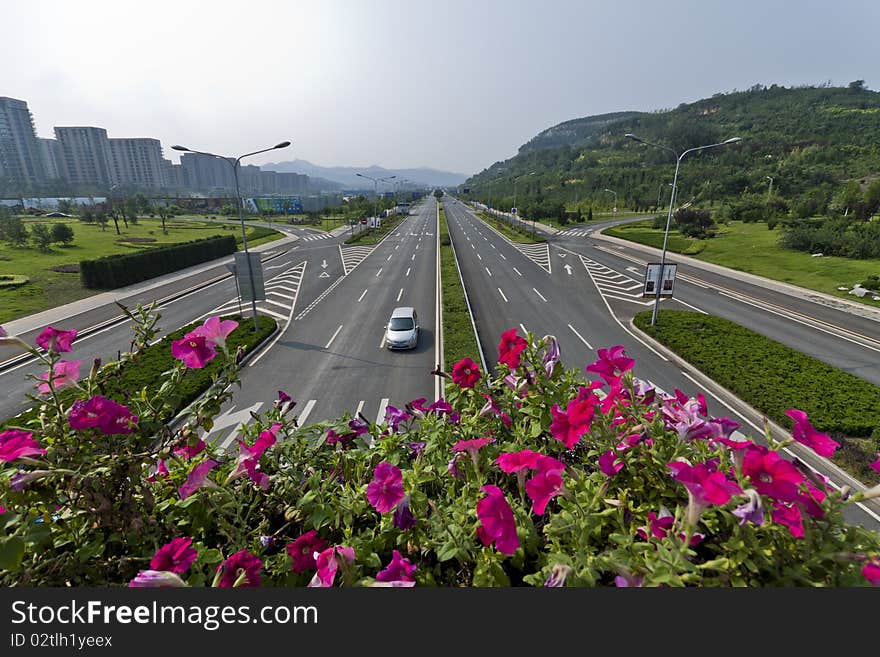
[[376, 182], [235, 163], [615, 198], [678, 159], [770, 188], [523, 175]]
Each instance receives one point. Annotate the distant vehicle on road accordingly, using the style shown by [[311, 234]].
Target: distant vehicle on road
[[403, 329]]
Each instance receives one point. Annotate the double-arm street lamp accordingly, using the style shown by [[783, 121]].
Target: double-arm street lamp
[[376, 182], [235, 163], [678, 158]]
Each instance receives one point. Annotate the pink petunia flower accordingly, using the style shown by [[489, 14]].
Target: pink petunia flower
[[466, 373], [875, 465], [804, 433], [215, 331], [328, 564], [472, 447], [497, 523], [611, 363], [543, 487], [658, 526], [607, 464], [494, 409], [193, 350], [705, 486], [156, 579], [558, 574], [197, 478], [176, 556], [386, 489], [871, 572], [752, 511], [249, 457], [511, 462], [104, 414], [161, 471], [568, 427], [399, 570], [15, 443], [510, 348], [790, 516], [63, 373], [770, 474], [403, 518], [394, 416], [551, 356], [189, 451], [57, 340], [238, 564], [302, 551]]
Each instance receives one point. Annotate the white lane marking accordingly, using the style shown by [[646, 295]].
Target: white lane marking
[[414, 257], [278, 294], [473, 247], [382, 342], [540, 295], [327, 346], [517, 271], [363, 294], [573, 330], [407, 270], [389, 257], [301, 419], [381, 415], [417, 247], [400, 294], [523, 329], [493, 246], [488, 272], [685, 303], [379, 272], [503, 256], [634, 270], [502, 295], [479, 256], [359, 408]]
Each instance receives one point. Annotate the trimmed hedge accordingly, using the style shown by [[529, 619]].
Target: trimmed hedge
[[119, 270], [458, 332], [773, 378], [147, 369]]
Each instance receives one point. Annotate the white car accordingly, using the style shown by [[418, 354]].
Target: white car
[[402, 331]]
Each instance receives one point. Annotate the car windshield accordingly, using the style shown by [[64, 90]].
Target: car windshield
[[401, 324]]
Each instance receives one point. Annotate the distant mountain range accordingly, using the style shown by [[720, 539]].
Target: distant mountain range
[[346, 178]]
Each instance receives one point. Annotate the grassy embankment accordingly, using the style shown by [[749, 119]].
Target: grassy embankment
[[753, 248], [458, 332], [773, 378], [53, 275]]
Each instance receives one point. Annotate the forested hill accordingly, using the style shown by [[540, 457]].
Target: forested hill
[[810, 140]]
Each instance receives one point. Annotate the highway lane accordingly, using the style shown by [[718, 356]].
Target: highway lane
[[332, 359], [284, 268], [583, 318]]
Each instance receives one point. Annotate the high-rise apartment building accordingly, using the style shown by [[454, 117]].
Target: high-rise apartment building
[[50, 151], [136, 162], [85, 153], [207, 173], [21, 163]]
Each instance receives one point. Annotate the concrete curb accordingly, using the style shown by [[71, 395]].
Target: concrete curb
[[852, 307]]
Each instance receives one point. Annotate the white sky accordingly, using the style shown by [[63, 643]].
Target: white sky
[[450, 84]]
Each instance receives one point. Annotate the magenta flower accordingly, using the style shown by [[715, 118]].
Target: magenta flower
[[283, 397], [804, 433], [752, 511], [249, 457], [242, 563], [611, 363], [871, 572], [386, 489], [189, 451], [161, 471], [193, 350], [63, 373], [705, 486], [197, 478], [510, 347], [440, 407], [472, 447], [770, 474], [790, 516], [607, 464], [568, 427], [551, 356], [541, 488], [15, 443], [394, 416], [156, 579], [302, 551], [399, 570], [22, 478], [511, 462], [416, 447], [465, 373], [452, 466], [497, 523], [658, 526], [57, 340], [403, 517], [876, 464], [328, 563], [558, 574], [494, 409], [109, 417], [2, 508], [176, 556], [214, 331], [628, 580]]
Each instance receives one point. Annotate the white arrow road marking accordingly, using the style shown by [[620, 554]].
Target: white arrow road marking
[[324, 275], [567, 268], [324, 264]]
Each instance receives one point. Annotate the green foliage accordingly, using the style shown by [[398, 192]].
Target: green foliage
[[694, 222], [41, 236], [119, 270], [834, 237], [14, 231], [458, 331], [772, 377], [62, 233]]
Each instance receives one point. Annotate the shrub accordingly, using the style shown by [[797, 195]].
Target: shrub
[[62, 233]]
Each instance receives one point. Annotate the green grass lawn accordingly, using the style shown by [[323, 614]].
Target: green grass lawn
[[48, 288], [374, 235], [753, 248], [510, 233], [597, 217]]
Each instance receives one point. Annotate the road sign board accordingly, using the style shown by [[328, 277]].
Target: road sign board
[[512, 210], [244, 274], [652, 279]]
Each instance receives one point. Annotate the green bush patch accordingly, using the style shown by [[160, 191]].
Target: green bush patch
[[12, 280], [458, 332], [773, 378]]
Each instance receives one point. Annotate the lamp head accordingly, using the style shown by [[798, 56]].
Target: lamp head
[[732, 140], [283, 144], [178, 147]]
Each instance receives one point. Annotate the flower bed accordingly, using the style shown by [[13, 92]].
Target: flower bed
[[542, 477]]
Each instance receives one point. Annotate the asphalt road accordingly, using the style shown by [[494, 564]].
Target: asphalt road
[[552, 289]]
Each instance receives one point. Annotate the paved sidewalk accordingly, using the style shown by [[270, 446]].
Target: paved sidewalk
[[23, 325], [814, 296]]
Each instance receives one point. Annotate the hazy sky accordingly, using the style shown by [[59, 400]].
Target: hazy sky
[[450, 84]]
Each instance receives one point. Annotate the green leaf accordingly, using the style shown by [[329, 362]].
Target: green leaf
[[447, 551], [11, 553]]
